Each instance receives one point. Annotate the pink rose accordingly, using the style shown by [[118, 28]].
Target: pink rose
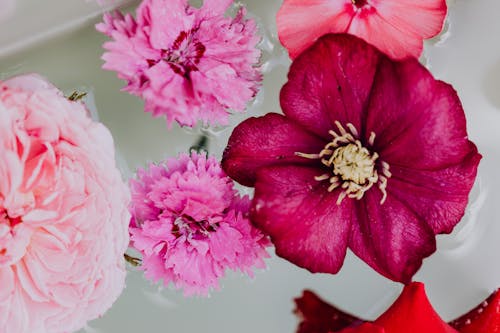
[[63, 216]]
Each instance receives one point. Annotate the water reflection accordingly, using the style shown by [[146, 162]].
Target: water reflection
[[491, 85]]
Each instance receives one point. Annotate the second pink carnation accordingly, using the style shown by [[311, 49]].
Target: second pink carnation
[[188, 64]]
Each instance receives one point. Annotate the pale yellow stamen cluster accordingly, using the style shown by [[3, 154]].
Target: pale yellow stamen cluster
[[353, 166]]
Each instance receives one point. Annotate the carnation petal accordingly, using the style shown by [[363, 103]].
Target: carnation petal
[[390, 237], [412, 312], [268, 140], [167, 22], [304, 222], [331, 81]]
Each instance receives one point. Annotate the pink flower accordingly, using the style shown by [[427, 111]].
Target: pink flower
[[396, 27], [188, 64], [191, 225], [63, 217], [371, 154]]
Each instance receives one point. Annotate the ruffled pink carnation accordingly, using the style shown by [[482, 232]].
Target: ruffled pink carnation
[[188, 64], [396, 27], [63, 216], [191, 225]]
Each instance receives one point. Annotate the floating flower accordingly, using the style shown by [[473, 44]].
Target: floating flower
[[191, 225], [63, 211], [371, 154], [188, 64], [396, 27], [317, 316], [411, 312]]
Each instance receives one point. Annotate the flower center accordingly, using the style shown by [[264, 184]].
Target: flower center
[[352, 166], [10, 221], [185, 225], [359, 3], [185, 53], [352, 163]]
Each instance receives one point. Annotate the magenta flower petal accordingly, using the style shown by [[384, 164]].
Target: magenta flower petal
[[396, 163], [430, 116], [270, 140], [437, 197], [390, 238], [319, 92], [299, 214]]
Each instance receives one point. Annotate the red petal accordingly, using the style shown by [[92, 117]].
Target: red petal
[[419, 122], [412, 313], [306, 225], [317, 316], [330, 81], [268, 140], [438, 197], [485, 318], [390, 237], [368, 328]]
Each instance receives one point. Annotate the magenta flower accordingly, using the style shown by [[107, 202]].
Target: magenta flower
[[396, 27], [191, 225], [188, 64], [371, 154]]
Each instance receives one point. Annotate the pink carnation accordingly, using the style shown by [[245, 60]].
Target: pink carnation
[[63, 217], [190, 224], [188, 64], [396, 27]]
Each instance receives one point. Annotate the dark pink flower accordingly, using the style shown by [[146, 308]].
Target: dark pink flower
[[371, 154], [396, 27], [191, 225], [188, 64]]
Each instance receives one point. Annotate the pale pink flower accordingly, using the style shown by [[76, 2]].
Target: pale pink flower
[[63, 216], [395, 27], [191, 225], [187, 63]]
